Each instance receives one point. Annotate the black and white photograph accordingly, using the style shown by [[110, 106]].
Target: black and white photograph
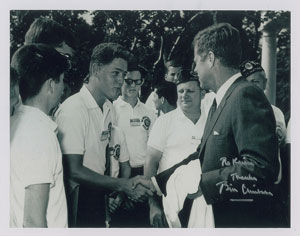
[[142, 117]]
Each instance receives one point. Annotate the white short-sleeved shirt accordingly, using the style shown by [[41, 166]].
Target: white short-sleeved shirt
[[83, 128], [36, 159], [176, 137], [117, 150], [136, 124]]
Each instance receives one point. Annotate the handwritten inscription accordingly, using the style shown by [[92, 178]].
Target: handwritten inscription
[[247, 191], [248, 177], [235, 161], [224, 186]]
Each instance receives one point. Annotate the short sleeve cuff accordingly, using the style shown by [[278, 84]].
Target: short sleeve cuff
[[156, 186]]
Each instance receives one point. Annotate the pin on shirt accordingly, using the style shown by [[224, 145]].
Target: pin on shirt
[[106, 134], [135, 122], [195, 140]]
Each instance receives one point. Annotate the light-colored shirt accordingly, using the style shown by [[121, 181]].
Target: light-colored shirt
[[136, 124], [223, 89], [83, 128], [118, 151], [176, 136], [36, 159]]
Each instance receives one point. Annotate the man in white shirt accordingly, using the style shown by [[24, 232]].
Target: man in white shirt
[[134, 118], [173, 68], [84, 124], [175, 135], [37, 194], [136, 121], [165, 97], [238, 151]]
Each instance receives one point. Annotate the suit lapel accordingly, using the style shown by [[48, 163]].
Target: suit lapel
[[211, 124]]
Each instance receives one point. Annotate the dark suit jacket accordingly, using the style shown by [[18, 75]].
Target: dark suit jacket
[[238, 155]]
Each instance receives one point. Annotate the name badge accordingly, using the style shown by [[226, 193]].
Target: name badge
[[104, 135], [135, 122], [195, 140]]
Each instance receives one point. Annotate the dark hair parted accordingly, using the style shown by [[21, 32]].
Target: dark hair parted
[[105, 53], [168, 90], [35, 64], [223, 40]]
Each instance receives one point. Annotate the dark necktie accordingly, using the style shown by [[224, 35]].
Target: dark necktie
[[212, 111]]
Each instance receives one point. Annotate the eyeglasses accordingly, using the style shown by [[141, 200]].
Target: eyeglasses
[[130, 81]]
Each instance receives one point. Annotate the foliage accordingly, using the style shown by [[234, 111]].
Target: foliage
[[155, 36]]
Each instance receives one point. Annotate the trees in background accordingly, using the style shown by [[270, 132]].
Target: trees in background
[[155, 36]]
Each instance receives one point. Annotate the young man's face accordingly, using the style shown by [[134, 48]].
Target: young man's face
[[172, 74], [68, 52], [132, 84], [58, 90], [111, 78], [189, 95], [258, 79], [156, 100]]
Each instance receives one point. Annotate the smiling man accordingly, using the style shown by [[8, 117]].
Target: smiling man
[[175, 135], [84, 122]]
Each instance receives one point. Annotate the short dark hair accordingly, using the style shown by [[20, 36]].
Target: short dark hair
[[167, 90], [47, 31], [134, 66], [175, 62], [223, 40], [14, 77], [105, 53], [35, 64]]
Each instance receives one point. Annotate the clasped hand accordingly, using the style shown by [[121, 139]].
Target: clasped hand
[[140, 188]]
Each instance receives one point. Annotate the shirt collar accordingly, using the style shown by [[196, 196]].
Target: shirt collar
[[40, 115], [123, 103], [89, 99], [223, 89]]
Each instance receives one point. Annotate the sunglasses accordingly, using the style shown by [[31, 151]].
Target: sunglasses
[[130, 81]]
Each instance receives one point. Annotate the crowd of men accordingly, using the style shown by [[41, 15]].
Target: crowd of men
[[205, 150]]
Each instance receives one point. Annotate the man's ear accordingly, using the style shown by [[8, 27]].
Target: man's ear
[[162, 100], [96, 68], [50, 84], [212, 58]]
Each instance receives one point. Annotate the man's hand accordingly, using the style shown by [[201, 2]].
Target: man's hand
[[144, 181], [114, 203], [157, 216], [135, 192]]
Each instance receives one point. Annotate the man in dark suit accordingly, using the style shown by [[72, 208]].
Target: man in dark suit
[[238, 152]]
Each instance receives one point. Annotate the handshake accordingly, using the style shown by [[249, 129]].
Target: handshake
[[138, 188]]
